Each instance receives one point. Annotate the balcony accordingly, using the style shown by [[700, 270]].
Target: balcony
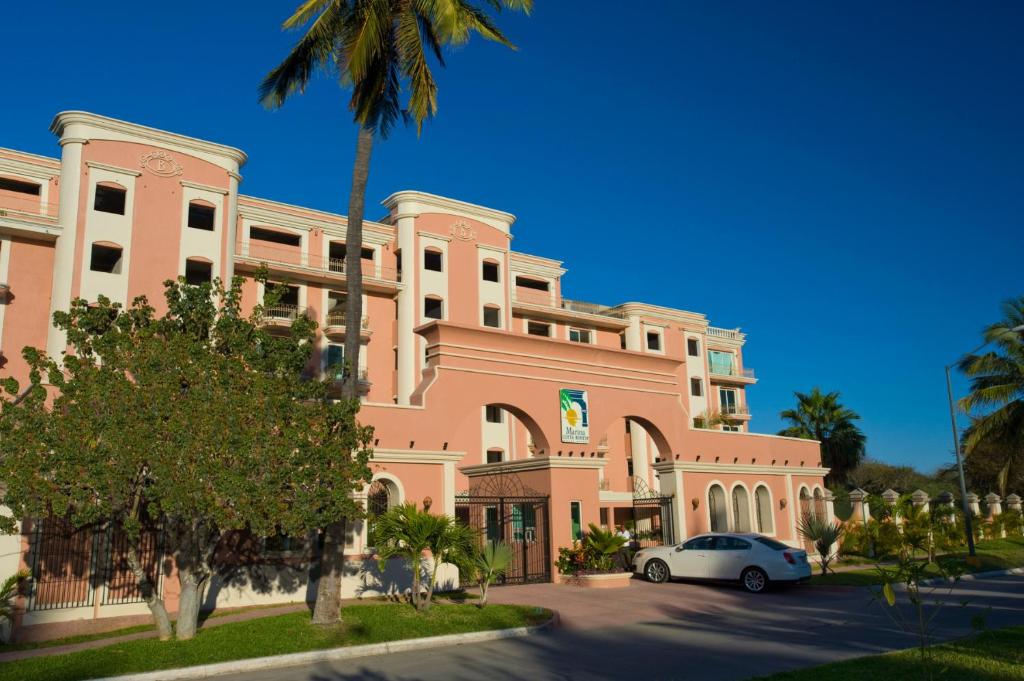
[[335, 324], [544, 304], [735, 412], [726, 334], [282, 315], [321, 268], [731, 374], [335, 381]]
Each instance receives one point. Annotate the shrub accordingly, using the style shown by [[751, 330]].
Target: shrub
[[594, 554]]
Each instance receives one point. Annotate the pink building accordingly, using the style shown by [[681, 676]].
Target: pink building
[[523, 412]]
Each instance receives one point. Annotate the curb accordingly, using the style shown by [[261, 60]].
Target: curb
[[332, 654], [976, 575]]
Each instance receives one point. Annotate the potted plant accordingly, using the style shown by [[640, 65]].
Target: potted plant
[[590, 562]]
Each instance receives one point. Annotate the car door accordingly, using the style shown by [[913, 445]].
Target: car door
[[730, 556], [690, 559]]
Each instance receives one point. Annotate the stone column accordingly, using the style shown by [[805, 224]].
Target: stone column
[[890, 497], [1013, 503], [64, 252], [995, 508], [672, 484], [861, 511], [945, 500], [921, 500]]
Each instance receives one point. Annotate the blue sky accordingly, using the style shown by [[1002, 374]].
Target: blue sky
[[844, 183]]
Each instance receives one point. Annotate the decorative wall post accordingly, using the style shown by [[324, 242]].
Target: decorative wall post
[[972, 504], [1013, 503], [921, 500], [830, 505], [945, 500], [861, 512], [995, 508], [890, 497]]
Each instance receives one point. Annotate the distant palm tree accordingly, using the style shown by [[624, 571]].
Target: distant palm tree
[[376, 48], [820, 416], [996, 401]]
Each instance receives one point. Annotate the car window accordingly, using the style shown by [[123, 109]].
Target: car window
[[699, 544], [772, 544], [732, 544]]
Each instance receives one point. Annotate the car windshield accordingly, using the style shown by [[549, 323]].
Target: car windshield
[[772, 544]]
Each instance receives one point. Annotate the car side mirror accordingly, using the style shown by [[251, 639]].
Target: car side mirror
[[680, 547]]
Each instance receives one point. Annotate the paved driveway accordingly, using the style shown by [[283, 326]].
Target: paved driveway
[[675, 631]]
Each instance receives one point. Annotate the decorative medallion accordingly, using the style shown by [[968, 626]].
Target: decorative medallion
[[160, 163], [462, 231]]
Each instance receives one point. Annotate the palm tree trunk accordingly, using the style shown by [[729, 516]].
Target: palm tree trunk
[[328, 591], [353, 262]]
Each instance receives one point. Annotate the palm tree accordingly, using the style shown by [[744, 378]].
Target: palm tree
[[408, 533], [376, 48], [823, 533], [996, 400], [820, 416], [491, 562]]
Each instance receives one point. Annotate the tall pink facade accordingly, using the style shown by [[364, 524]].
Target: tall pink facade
[[467, 344]]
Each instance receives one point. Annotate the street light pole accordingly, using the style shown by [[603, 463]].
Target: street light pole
[[968, 519]]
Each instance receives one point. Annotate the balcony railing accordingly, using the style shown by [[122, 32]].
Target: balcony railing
[[731, 371], [728, 334], [27, 204], [294, 257], [338, 317], [734, 410], [530, 296], [283, 312]]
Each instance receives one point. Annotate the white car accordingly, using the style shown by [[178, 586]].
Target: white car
[[755, 561]]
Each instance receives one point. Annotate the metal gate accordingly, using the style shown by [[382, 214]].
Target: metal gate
[[500, 508], [652, 516]]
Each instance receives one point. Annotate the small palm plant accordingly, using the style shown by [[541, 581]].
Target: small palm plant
[[491, 562], [603, 545], [824, 534], [408, 533], [8, 592]]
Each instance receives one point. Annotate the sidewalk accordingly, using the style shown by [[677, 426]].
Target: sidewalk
[[243, 616]]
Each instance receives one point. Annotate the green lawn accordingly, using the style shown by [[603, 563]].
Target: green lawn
[[291, 633], [992, 554], [992, 656]]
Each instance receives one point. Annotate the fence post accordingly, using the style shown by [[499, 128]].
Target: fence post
[[861, 511], [995, 508], [890, 497], [921, 499]]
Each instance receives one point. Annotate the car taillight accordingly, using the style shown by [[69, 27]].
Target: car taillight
[[789, 558]]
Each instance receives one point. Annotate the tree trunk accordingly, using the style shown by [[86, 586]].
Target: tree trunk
[[192, 591], [328, 592], [417, 566], [149, 594], [353, 262], [327, 609]]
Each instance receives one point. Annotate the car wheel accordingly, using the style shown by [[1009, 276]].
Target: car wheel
[[754, 580], [656, 571]]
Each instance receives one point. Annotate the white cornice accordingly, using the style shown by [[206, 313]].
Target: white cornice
[[668, 313], [409, 201], [36, 159], [112, 168], [415, 456], [27, 169], [203, 187], [532, 264], [94, 126], [727, 468], [534, 464]]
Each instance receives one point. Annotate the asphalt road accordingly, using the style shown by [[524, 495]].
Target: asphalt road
[[741, 636]]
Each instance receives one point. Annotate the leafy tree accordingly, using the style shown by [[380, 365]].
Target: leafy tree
[[197, 421], [820, 416], [877, 476], [491, 562], [823, 533], [996, 399], [408, 533], [376, 48]]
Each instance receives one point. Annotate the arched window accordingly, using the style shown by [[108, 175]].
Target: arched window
[[717, 509], [381, 496], [741, 509], [819, 503], [433, 259], [110, 197], [763, 505], [433, 308], [495, 455]]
